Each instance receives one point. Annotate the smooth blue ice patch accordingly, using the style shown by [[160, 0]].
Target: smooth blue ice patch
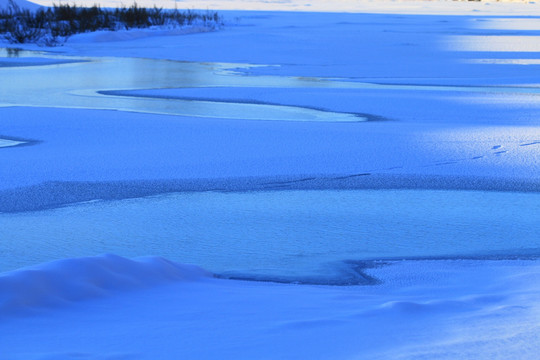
[[113, 83], [82, 82], [9, 143], [284, 235]]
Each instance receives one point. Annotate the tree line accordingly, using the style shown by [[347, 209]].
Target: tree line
[[53, 25]]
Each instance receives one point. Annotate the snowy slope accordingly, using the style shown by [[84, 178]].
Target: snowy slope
[[24, 4]]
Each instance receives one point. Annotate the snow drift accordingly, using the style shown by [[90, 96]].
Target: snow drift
[[69, 280]]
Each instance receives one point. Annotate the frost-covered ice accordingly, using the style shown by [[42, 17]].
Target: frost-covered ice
[[308, 236], [452, 132]]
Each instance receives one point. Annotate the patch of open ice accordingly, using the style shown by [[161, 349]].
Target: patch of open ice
[[8, 143]]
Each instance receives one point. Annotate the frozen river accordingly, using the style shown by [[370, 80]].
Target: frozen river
[[32, 78], [317, 236]]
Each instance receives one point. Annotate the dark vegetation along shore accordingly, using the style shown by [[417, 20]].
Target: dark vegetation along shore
[[52, 26]]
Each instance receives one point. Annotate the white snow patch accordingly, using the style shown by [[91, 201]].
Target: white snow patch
[[508, 23], [505, 61], [135, 34], [23, 4], [495, 43]]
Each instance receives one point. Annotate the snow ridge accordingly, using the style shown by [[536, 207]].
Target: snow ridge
[[70, 280]]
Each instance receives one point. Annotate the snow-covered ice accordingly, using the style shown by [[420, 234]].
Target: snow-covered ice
[[393, 144], [430, 309]]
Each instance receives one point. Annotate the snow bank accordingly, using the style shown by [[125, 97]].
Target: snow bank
[[24, 4], [69, 280], [136, 34], [423, 310]]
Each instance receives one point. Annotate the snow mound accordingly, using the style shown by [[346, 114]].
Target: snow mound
[[136, 34], [69, 280], [23, 4]]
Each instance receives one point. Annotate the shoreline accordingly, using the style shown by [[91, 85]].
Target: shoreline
[[414, 7]]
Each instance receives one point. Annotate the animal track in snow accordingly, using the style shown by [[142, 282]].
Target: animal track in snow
[[495, 150], [448, 162], [536, 142]]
